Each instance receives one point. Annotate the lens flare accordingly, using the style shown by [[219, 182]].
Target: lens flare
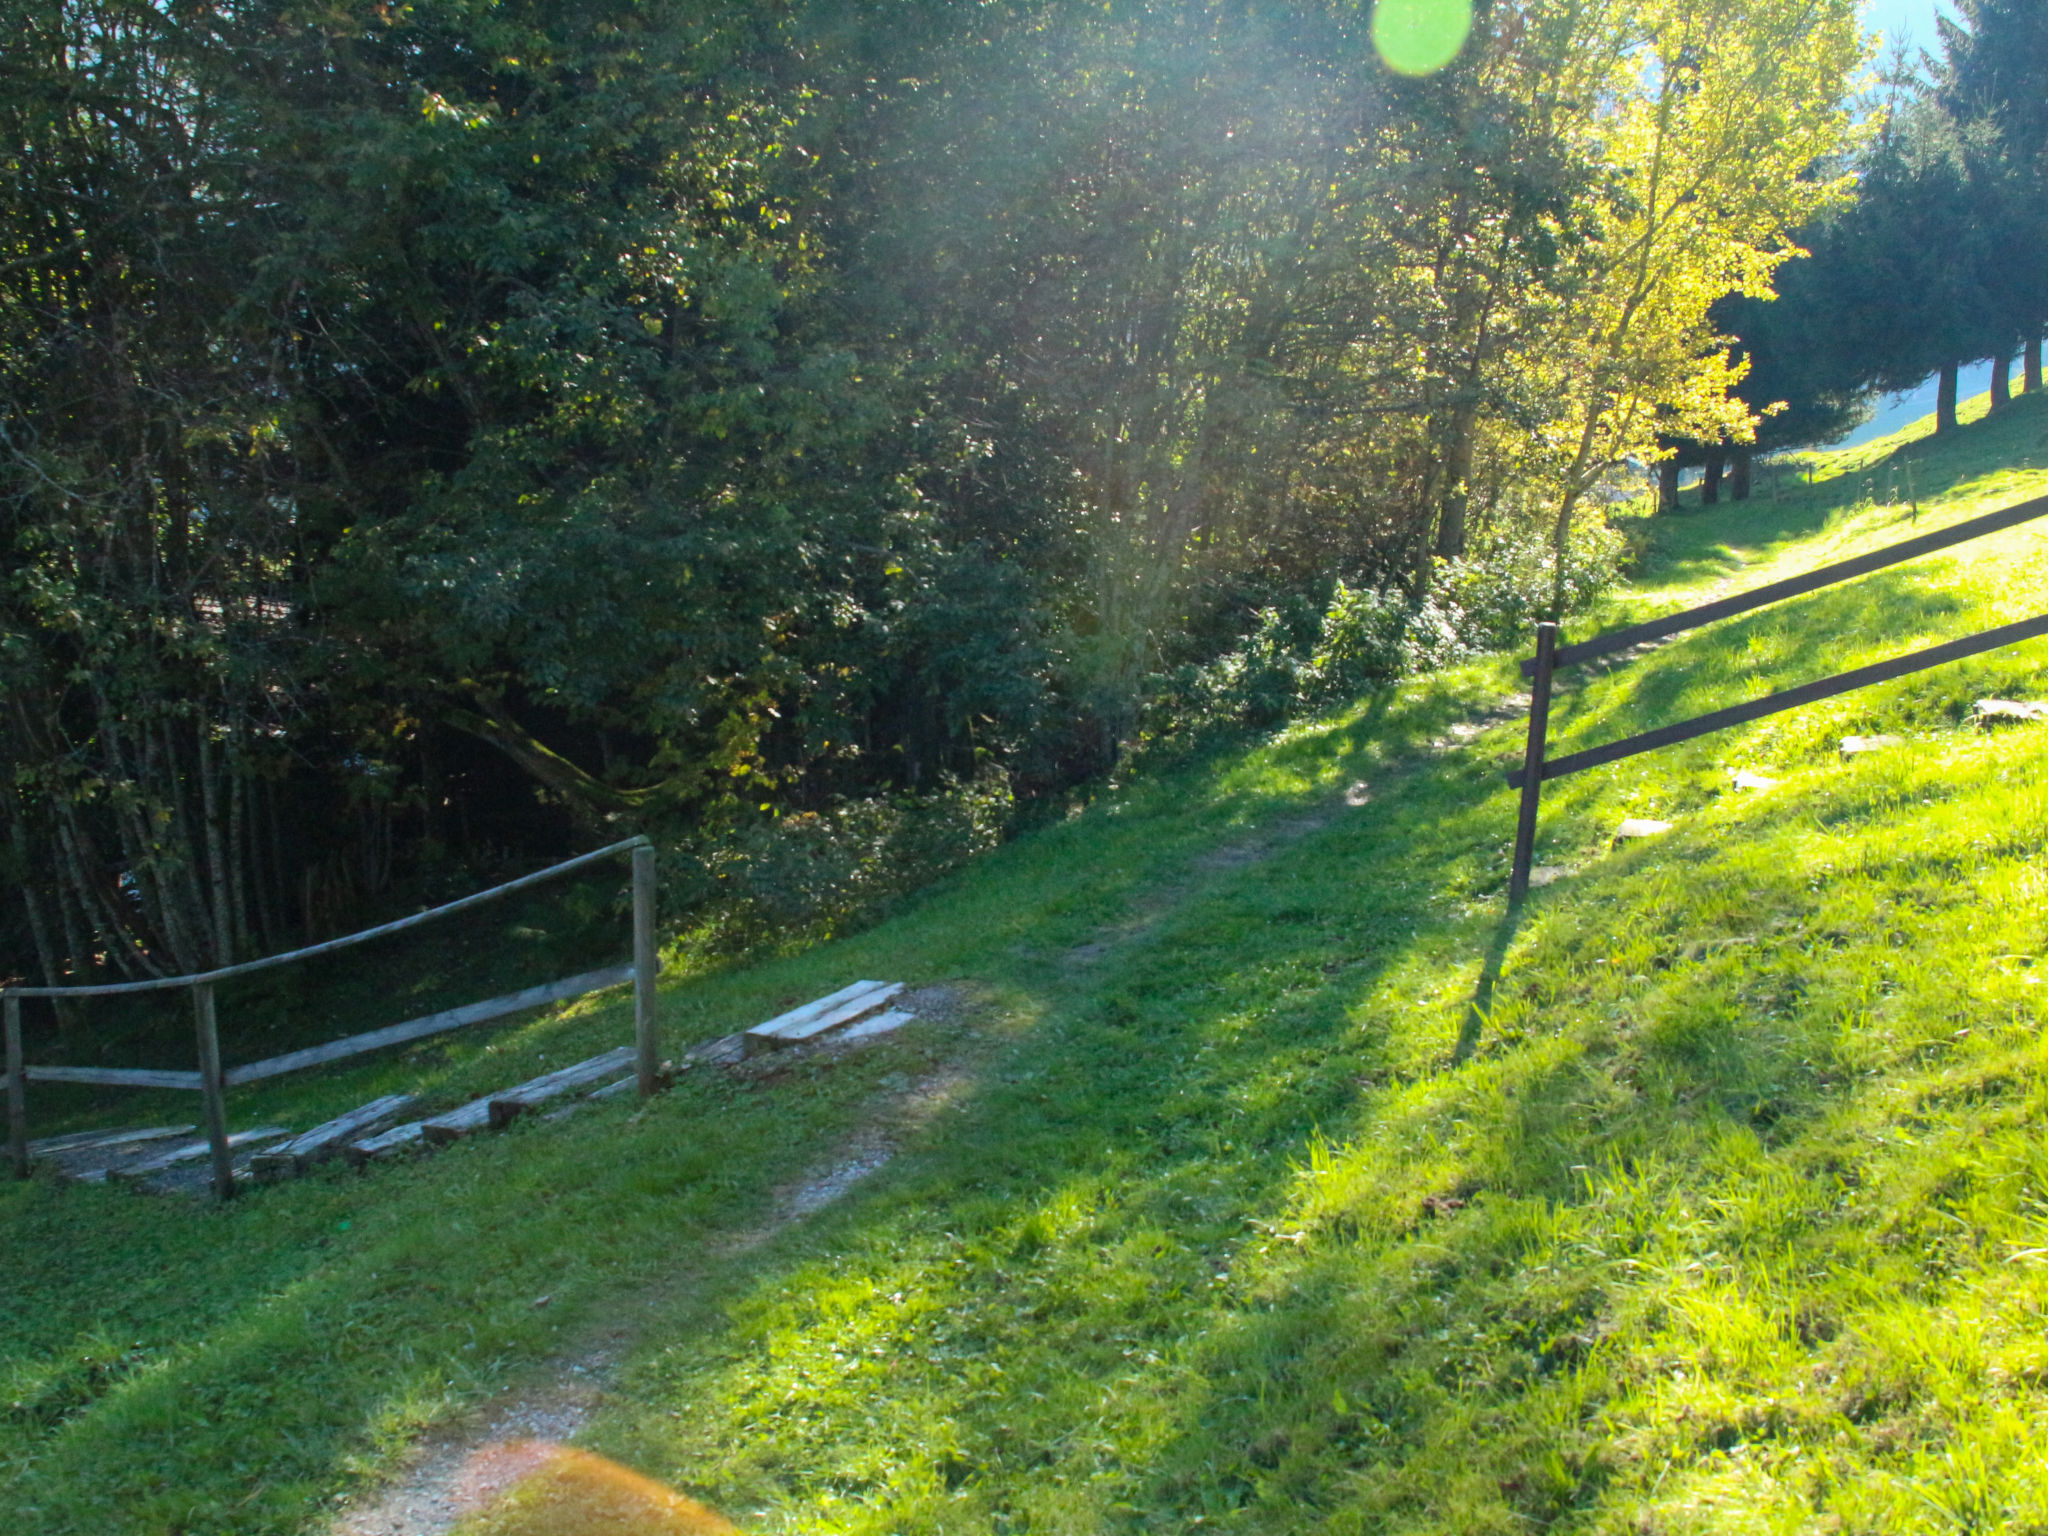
[[1419, 37], [569, 1492]]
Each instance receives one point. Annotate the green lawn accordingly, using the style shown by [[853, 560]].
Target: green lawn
[[1725, 1211]]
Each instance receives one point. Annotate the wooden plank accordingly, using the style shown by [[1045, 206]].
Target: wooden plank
[[800, 1016], [190, 1151], [431, 1024], [85, 1141], [116, 1077], [324, 1141], [613, 1090], [158, 984], [880, 1024], [1796, 586], [457, 1123], [386, 1143], [779, 1034], [508, 1106], [1791, 698]]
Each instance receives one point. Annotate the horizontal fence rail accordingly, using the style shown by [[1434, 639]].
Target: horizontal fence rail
[[1794, 586], [1538, 768], [1791, 698], [212, 1081]]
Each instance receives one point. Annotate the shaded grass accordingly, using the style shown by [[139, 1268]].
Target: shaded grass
[[1724, 1213]]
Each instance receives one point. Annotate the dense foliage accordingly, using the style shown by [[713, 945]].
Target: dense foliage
[[464, 426]]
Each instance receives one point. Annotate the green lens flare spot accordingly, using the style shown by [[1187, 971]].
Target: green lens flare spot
[[1419, 37]]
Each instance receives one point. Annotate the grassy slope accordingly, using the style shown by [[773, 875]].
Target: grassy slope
[[1727, 1215]]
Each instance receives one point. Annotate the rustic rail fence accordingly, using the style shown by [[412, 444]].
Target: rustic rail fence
[[1538, 768], [212, 1082]]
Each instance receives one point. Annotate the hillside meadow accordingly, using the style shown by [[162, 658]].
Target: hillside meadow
[[1270, 1175]]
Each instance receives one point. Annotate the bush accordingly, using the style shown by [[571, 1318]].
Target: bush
[[1296, 659], [816, 873]]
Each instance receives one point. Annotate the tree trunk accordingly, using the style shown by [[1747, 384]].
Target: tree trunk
[[1945, 401], [1667, 486], [1457, 499], [1739, 477], [223, 946], [1710, 483], [2001, 380], [2031, 364]]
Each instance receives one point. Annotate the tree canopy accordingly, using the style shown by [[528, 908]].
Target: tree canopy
[[560, 413]]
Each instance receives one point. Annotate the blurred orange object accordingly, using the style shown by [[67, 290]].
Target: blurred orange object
[[573, 1493]]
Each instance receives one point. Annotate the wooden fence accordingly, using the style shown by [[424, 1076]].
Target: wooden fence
[[212, 1082], [1538, 768]]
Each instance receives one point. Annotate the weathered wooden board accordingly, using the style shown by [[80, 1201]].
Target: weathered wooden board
[[431, 1024], [115, 1077], [508, 1106], [613, 1090], [83, 1141], [324, 1141], [796, 1018], [457, 1123], [880, 1024], [389, 1143], [779, 1034], [186, 1151]]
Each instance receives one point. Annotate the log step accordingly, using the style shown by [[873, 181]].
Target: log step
[[86, 1141], [820, 1017], [185, 1152], [389, 1143], [506, 1107], [880, 1024], [324, 1141]]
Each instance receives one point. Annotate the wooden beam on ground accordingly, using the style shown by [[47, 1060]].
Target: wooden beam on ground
[[814, 1019], [324, 1141], [508, 1106], [880, 1024], [86, 1141], [389, 1143], [189, 1151], [431, 1024], [472, 1117]]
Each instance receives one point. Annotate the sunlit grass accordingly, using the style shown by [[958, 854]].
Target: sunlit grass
[[1728, 1213]]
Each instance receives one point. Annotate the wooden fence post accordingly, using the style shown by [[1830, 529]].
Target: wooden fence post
[[1532, 761], [17, 1088], [214, 1090], [646, 1006]]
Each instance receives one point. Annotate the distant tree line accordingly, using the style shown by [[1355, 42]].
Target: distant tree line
[[1941, 260], [463, 425]]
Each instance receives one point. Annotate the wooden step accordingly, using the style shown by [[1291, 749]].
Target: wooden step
[[185, 1152], [821, 1017], [400, 1138], [325, 1141], [880, 1024], [86, 1141], [443, 1130], [508, 1106]]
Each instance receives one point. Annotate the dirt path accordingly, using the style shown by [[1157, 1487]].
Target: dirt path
[[461, 1471]]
